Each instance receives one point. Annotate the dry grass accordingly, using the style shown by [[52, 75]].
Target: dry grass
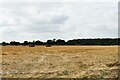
[[60, 61]]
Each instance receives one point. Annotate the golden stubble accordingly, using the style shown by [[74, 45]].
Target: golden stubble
[[60, 61]]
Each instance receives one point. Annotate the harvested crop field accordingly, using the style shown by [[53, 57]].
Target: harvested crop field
[[60, 62]]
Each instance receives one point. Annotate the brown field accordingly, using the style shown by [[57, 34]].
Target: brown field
[[60, 62]]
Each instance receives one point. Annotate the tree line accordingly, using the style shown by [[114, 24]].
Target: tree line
[[98, 41]]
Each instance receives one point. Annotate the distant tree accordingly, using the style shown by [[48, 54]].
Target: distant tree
[[89, 41], [14, 43], [38, 42], [73, 42], [22, 44], [25, 43], [54, 41], [4, 43], [32, 44], [60, 42], [17, 43], [49, 42]]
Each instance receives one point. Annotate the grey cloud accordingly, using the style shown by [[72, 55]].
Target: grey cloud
[[59, 19], [54, 19], [49, 24]]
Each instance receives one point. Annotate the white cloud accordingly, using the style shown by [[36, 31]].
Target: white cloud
[[59, 0], [66, 20]]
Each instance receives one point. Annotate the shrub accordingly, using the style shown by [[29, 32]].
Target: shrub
[[48, 45], [31, 45]]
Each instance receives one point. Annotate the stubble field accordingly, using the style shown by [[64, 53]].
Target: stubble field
[[60, 62]]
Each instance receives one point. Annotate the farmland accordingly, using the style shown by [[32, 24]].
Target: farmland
[[60, 62]]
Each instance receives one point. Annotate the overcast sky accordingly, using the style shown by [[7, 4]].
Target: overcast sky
[[21, 21]]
